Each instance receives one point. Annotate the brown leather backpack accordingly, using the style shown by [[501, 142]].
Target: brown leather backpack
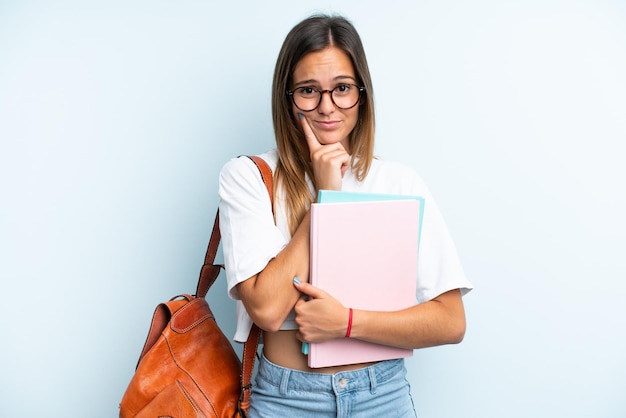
[[187, 367]]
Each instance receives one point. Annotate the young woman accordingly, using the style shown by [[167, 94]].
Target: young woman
[[323, 114]]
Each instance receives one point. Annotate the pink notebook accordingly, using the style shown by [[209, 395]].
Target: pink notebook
[[365, 255]]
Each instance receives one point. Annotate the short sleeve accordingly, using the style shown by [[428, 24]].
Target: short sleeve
[[250, 239], [439, 267]]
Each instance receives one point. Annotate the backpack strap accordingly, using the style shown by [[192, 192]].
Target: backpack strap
[[251, 345], [210, 272]]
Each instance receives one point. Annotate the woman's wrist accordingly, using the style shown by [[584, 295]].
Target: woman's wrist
[[349, 328]]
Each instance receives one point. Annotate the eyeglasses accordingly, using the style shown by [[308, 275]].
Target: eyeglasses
[[344, 96]]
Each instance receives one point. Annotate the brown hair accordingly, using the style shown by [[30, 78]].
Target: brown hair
[[315, 34]]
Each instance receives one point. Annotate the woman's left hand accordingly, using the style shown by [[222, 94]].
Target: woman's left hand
[[319, 316]]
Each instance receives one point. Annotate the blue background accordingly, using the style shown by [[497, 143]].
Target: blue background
[[116, 116]]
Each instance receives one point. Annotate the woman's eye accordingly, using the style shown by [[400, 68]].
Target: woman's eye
[[343, 88], [307, 91]]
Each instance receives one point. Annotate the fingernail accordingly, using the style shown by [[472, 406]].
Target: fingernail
[[296, 280], [300, 115]]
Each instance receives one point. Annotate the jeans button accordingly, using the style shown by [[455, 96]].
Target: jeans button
[[342, 383]]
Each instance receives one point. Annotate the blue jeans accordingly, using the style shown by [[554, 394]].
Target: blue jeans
[[377, 391]]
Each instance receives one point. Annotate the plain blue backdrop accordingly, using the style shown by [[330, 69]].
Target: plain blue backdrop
[[116, 117]]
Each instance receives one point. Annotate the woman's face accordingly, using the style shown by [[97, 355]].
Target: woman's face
[[325, 70]]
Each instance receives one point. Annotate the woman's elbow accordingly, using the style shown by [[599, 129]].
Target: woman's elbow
[[266, 314], [454, 317], [456, 326], [457, 332], [268, 324], [267, 319]]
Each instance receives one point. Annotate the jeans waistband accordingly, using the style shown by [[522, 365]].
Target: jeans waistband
[[361, 379]]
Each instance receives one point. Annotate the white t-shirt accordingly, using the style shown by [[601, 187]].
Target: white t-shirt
[[250, 238]]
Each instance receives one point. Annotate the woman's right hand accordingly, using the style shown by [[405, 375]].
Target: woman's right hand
[[330, 161]]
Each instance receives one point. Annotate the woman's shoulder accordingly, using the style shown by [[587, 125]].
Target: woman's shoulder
[[270, 157], [388, 176], [393, 170], [239, 178], [391, 167], [243, 166]]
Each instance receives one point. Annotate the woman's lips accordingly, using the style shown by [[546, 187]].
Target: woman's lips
[[327, 125]]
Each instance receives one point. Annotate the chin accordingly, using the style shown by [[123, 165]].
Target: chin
[[327, 140]]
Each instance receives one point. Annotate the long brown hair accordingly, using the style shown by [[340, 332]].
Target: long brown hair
[[311, 35]]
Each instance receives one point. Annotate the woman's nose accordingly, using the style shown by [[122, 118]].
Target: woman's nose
[[326, 105]]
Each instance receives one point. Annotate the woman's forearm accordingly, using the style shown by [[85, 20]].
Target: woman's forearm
[[269, 296], [436, 322]]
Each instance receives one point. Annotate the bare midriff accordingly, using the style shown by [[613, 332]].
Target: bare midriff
[[284, 349]]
